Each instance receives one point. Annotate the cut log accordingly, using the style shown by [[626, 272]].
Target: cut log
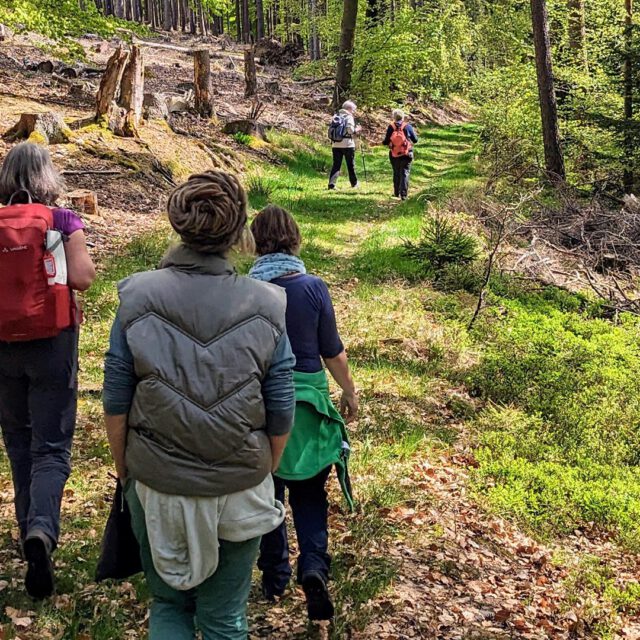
[[84, 201], [250, 77], [202, 82], [132, 92], [42, 128], [46, 66], [110, 84], [154, 105], [68, 72]]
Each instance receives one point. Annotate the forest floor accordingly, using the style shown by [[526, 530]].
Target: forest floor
[[425, 555]]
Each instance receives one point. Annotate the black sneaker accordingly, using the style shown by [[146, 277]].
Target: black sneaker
[[332, 187], [319, 605], [39, 582]]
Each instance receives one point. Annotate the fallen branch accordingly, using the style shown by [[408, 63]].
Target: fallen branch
[[94, 172], [315, 81]]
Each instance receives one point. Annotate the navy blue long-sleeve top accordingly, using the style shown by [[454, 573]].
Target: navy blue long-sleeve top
[[311, 321]]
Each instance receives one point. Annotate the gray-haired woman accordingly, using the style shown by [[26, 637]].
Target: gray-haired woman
[[38, 348], [199, 401], [400, 139]]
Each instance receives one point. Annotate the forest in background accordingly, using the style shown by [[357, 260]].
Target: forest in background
[[407, 51]]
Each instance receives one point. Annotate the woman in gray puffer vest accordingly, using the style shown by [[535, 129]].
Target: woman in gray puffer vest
[[199, 401]]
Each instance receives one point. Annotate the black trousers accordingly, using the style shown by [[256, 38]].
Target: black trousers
[[38, 398], [309, 507], [401, 170], [349, 155]]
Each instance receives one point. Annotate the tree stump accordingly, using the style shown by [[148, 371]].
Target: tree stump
[[132, 92], [272, 87], [202, 82], [155, 106], [250, 77], [84, 201], [248, 127], [42, 128], [110, 84]]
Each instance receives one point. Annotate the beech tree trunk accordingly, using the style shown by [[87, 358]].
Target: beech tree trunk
[[110, 84], [202, 82], [629, 146], [554, 161], [246, 23], [345, 58], [250, 77]]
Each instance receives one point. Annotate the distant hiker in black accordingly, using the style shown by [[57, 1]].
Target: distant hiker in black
[[341, 131], [400, 139]]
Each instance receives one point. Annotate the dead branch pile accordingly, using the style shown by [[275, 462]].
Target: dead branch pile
[[605, 240]]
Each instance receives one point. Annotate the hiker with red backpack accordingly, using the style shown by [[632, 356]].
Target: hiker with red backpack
[[43, 259], [400, 139], [342, 130]]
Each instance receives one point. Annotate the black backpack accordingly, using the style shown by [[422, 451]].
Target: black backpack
[[338, 128]]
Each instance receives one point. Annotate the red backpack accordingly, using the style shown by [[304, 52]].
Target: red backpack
[[32, 304], [399, 144]]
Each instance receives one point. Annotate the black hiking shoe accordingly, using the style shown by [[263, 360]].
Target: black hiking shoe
[[331, 187], [271, 593], [319, 605], [39, 582]]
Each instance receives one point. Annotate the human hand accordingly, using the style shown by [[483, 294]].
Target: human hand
[[358, 128], [349, 406]]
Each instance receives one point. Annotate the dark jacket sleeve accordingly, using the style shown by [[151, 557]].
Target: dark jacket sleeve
[[387, 139], [411, 133]]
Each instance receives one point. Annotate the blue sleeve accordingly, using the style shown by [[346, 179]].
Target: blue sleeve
[[278, 390], [120, 378], [411, 134], [328, 337], [387, 139]]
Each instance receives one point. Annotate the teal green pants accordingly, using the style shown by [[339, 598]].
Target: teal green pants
[[217, 608]]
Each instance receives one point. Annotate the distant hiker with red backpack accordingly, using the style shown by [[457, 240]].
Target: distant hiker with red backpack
[[43, 258], [400, 139], [342, 130]]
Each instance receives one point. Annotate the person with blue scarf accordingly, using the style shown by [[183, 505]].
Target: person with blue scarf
[[318, 439]]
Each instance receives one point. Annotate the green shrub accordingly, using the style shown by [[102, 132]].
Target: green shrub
[[580, 376], [523, 471], [442, 243], [260, 190], [460, 277]]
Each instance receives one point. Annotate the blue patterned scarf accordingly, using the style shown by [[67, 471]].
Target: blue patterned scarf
[[276, 265]]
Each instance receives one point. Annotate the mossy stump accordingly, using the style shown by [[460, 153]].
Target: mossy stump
[[41, 128]]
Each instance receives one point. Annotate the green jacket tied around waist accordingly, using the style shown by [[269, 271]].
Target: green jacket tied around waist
[[319, 437]]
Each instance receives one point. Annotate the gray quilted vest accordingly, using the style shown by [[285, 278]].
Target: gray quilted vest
[[202, 340]]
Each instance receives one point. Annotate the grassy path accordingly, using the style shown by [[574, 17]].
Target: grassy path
[[419, 558]]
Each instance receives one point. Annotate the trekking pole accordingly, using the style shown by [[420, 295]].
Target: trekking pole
[[364, 164]]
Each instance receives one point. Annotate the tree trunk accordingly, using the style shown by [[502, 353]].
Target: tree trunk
[[166, 17], [577, 33], [629, 146], [238, 21], [314, 40], [554, 161], [202, 83], [250, 77], [259, 20], [132, 91], [246, 23], [345, 59], [110, 84]]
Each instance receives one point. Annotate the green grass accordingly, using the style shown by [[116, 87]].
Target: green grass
[[547, 372]]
